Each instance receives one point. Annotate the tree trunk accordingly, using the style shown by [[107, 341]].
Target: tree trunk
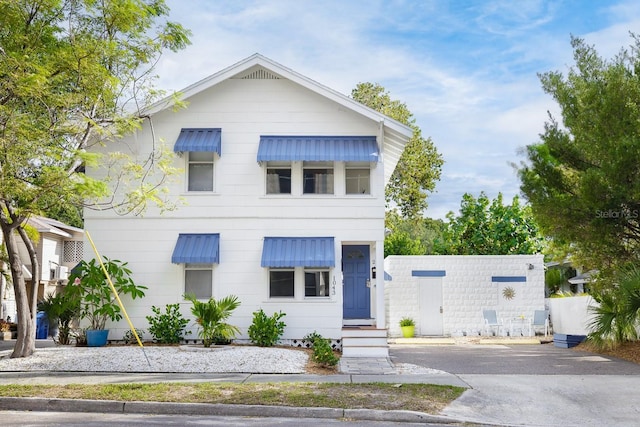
[[3, 286], [35, 272], [26, 341]]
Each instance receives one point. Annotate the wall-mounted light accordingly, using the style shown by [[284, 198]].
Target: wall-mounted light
[[530, 266], [373, 270]]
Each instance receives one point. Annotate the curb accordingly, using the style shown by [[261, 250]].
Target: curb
[[205, 409]]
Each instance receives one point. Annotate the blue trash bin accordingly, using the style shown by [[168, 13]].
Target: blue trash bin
[[42, 326]]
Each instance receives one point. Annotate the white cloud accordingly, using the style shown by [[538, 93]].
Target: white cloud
[[467, 70]]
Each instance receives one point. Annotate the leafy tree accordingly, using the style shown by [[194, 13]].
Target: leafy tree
[[582, 179], [400, 243], [485, 227], [420, 164], [411, 236], [73, 74]]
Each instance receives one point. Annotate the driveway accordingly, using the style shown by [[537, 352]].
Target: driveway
[[534, 385]]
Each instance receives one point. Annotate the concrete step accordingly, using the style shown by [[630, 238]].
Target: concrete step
[[364, 342], [365, 351], [364, 332]]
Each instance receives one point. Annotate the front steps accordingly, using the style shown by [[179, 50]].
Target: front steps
[[364, 341]]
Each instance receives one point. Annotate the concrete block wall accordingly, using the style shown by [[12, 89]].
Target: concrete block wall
[[469, 284]]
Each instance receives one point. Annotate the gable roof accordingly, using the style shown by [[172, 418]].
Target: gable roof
[[53, 226], [395, 135]]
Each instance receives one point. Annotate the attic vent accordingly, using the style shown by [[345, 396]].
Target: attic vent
[[72, 251], [260, 74]]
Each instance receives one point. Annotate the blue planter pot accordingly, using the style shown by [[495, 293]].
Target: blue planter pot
[[97, 338]]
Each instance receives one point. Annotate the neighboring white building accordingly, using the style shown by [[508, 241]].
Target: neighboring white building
[[284, 188], [445, 294], [59, 248]]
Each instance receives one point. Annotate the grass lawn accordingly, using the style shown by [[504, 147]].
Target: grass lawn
[[426, 398]]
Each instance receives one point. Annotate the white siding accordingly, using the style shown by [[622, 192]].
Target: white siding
[[240, 210]]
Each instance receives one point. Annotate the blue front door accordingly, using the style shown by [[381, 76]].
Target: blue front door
[[355, 273]]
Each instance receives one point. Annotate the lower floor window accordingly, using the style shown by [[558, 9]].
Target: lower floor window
[[281, 283], [198, 280], [316, 283], [296, 283]]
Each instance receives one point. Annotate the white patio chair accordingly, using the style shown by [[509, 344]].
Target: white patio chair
[[491, 321], [541, 320]]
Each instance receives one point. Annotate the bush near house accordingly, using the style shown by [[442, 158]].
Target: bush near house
[[265, 331], [323, 354], [167, 327]]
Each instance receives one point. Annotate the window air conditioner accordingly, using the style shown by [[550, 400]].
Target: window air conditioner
[[62, 272]]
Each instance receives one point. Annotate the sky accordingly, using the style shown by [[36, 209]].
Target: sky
[[467, 69]]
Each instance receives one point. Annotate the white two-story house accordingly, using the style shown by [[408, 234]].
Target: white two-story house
[[283, 182]]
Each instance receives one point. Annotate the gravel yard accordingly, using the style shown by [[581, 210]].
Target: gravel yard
[[174, 359], [230, 359]]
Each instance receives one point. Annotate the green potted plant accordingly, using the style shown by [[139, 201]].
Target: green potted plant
[[97, 302], [407, 325], [211, 316]]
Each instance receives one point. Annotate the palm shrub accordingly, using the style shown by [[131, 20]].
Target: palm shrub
[[210, 317], [616, 318], [61, 310], [265, 331]]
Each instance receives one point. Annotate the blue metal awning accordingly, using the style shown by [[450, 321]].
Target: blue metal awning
[[278, 252], [199, 139], [197, 249], [318, 148]]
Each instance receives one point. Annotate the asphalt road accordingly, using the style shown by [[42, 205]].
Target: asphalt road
[[534, 385], [543, 359]]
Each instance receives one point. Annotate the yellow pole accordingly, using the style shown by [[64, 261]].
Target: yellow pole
[[115, 293]]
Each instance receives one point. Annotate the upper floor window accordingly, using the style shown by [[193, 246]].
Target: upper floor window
[[317, 178], [358, 180], [200, 171], [278, 178]]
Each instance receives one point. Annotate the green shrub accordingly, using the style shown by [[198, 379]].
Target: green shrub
[[310, 338], [266, 331], [167, 328], [129, 338], [322, 351], [407, 321]]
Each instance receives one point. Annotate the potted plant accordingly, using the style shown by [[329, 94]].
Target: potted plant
[[97, 302], [408, 327], [211, 316]]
